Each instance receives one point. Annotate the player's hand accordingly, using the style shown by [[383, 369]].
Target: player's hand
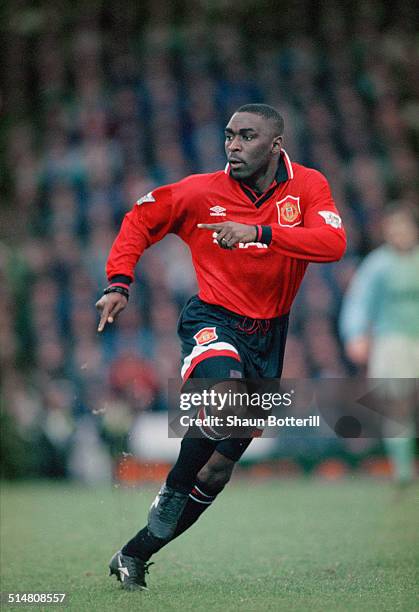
[[110, 305], [228, 233], [358, 350]]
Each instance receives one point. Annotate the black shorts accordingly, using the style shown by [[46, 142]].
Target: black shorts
[[218, 343], [208, 331]]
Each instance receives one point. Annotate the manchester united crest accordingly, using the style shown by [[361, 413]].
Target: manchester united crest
[[205, 335], [289, 213]]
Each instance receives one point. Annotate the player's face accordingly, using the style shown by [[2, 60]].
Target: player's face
[[400, 231], [250, 144]]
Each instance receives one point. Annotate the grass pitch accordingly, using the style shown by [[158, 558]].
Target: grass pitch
[[280, 545]]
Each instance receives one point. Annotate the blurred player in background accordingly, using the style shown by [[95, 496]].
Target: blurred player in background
[[380, 326], [252, 230]]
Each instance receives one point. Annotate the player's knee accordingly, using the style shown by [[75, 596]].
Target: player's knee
[[215, 475]]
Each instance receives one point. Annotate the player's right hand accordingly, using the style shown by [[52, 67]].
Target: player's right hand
[[110, 305]]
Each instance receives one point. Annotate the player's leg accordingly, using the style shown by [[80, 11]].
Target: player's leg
[[216, 473], [395, 360], [401, 452], [399, 430], [130, 563], [211, 480], [202, 346], [173, 498]]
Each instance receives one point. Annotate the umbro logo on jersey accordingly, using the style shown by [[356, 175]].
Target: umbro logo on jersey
[[217, 211]]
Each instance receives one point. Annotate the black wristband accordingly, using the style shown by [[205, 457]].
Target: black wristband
[[266, 237], [120, 279], [117, 289]]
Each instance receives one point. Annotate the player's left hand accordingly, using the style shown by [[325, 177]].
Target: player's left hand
[[358, 350], [229, 233]]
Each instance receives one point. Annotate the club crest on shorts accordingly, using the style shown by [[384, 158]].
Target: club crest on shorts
[[205, 335], [289, 213]]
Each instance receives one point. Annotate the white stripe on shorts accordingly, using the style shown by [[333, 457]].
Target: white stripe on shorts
[[198, 350]]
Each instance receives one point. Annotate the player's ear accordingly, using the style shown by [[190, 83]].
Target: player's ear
[[276, 145]]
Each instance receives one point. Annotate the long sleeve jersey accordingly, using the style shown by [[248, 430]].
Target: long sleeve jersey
[[298, 223], [383, 297]]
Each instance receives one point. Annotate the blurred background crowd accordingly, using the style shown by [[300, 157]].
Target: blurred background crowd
[[104, 101]]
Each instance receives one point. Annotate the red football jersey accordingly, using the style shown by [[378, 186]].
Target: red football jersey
[[299, 222]]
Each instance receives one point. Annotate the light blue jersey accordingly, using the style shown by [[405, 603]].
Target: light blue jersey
[[383, 298]]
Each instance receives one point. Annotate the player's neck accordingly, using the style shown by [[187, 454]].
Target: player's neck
[[260, 182]]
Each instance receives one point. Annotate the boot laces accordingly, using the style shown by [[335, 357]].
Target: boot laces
[[147, 566]]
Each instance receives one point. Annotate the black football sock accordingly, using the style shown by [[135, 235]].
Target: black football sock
[[200, 498], [143, 545], [194, 454]]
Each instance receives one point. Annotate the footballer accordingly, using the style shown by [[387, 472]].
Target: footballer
[[252, 230]]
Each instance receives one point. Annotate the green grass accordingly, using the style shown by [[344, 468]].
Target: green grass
[[278, 545]]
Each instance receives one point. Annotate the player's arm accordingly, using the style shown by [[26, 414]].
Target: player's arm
[[230, 233], [150, 219], [359, 308], [320, 239]]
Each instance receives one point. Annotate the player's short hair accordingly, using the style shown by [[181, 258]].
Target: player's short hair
[[264, 110]]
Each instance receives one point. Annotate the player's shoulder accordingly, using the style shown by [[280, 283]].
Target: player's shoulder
[[308, 175], [186, 190], [383, 252], [200, 182], [378, 259]]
